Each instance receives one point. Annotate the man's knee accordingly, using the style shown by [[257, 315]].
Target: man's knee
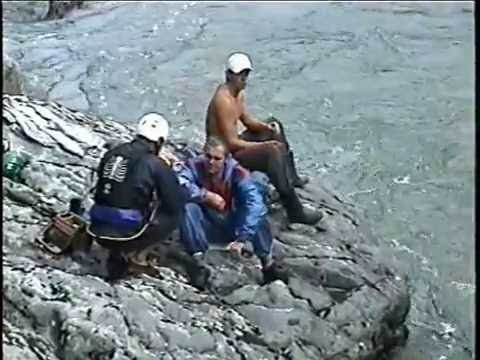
[[192, 214], [276, 149], [193, 209], [163, 224], [276, 160]]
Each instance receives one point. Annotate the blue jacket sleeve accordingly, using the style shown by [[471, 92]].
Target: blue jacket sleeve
[[189, 181], [250, 208]]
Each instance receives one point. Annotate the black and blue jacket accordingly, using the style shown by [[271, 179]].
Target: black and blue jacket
[[128, 177]]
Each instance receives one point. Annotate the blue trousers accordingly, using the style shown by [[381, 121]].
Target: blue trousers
[[201, 225]]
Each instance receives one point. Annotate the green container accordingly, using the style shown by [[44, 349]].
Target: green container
[[13, 164]]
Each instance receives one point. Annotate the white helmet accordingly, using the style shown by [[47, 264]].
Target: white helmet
[[238, 62], [153, 126]]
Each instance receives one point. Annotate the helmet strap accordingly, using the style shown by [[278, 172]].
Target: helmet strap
[[158, 146]]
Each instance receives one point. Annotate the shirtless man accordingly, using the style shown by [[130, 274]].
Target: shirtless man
[[262, 146]]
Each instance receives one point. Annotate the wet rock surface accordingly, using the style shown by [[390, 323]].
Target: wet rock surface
[[12, 78], [341, 301], [24, 11], [28, 11], [58, 9]]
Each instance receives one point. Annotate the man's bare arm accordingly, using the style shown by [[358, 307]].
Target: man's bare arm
[[226, 117], [253, 124], [249, 121]]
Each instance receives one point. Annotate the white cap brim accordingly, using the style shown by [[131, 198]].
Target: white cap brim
[[239, 62], [239, 69]]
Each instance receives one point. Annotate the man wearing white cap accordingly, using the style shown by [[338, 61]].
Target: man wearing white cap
[[138, 199], [263, 146]]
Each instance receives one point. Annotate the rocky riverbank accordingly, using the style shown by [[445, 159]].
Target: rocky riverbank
[[341, 302], [26, 11]]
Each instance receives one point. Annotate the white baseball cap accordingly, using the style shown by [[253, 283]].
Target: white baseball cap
[[153, 126], [238, 62]]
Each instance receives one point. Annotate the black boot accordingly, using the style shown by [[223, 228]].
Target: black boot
[[297, 213], [274, 272], [117, 265], [198, 271], [298, 181]]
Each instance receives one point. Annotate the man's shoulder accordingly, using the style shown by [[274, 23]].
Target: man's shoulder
[[114, 149], [240, 172], [221, 97], [156, 162], [241, 95], [194, 163], [114, 146]]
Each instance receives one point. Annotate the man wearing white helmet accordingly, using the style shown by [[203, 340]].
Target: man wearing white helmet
[[125, 218], [263, 146]]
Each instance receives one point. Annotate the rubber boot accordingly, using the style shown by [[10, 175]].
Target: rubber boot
[[297, 180], [296, 211], [117, 265], [141, 257], [274, 272], [198, 271], [76, 206]]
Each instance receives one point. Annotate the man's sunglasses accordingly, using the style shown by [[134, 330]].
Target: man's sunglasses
[[243, 73]]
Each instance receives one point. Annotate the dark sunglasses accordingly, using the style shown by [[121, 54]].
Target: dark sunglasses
[[243, 73]]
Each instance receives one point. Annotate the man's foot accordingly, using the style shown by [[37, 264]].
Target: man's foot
[[138, 257], [300, 181], [274, 272], [306, 216], [297, 213], [200, 278], [139, 262], [117, 265], [198, 272]]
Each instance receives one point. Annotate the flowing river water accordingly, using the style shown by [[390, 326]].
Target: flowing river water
[[377, 99]]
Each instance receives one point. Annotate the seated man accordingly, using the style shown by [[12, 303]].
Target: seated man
[[223, 204], [132, 181], [261, 147]]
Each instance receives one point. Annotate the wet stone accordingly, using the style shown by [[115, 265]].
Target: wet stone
[[317, 297], [337, 298], [12, 77], [273, 323]]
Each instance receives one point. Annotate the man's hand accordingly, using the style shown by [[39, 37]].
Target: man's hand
[[239, 248], [235, 247], [169, 157], [214, 201]]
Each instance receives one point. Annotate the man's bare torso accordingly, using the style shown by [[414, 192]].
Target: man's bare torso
[[234, 105]]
